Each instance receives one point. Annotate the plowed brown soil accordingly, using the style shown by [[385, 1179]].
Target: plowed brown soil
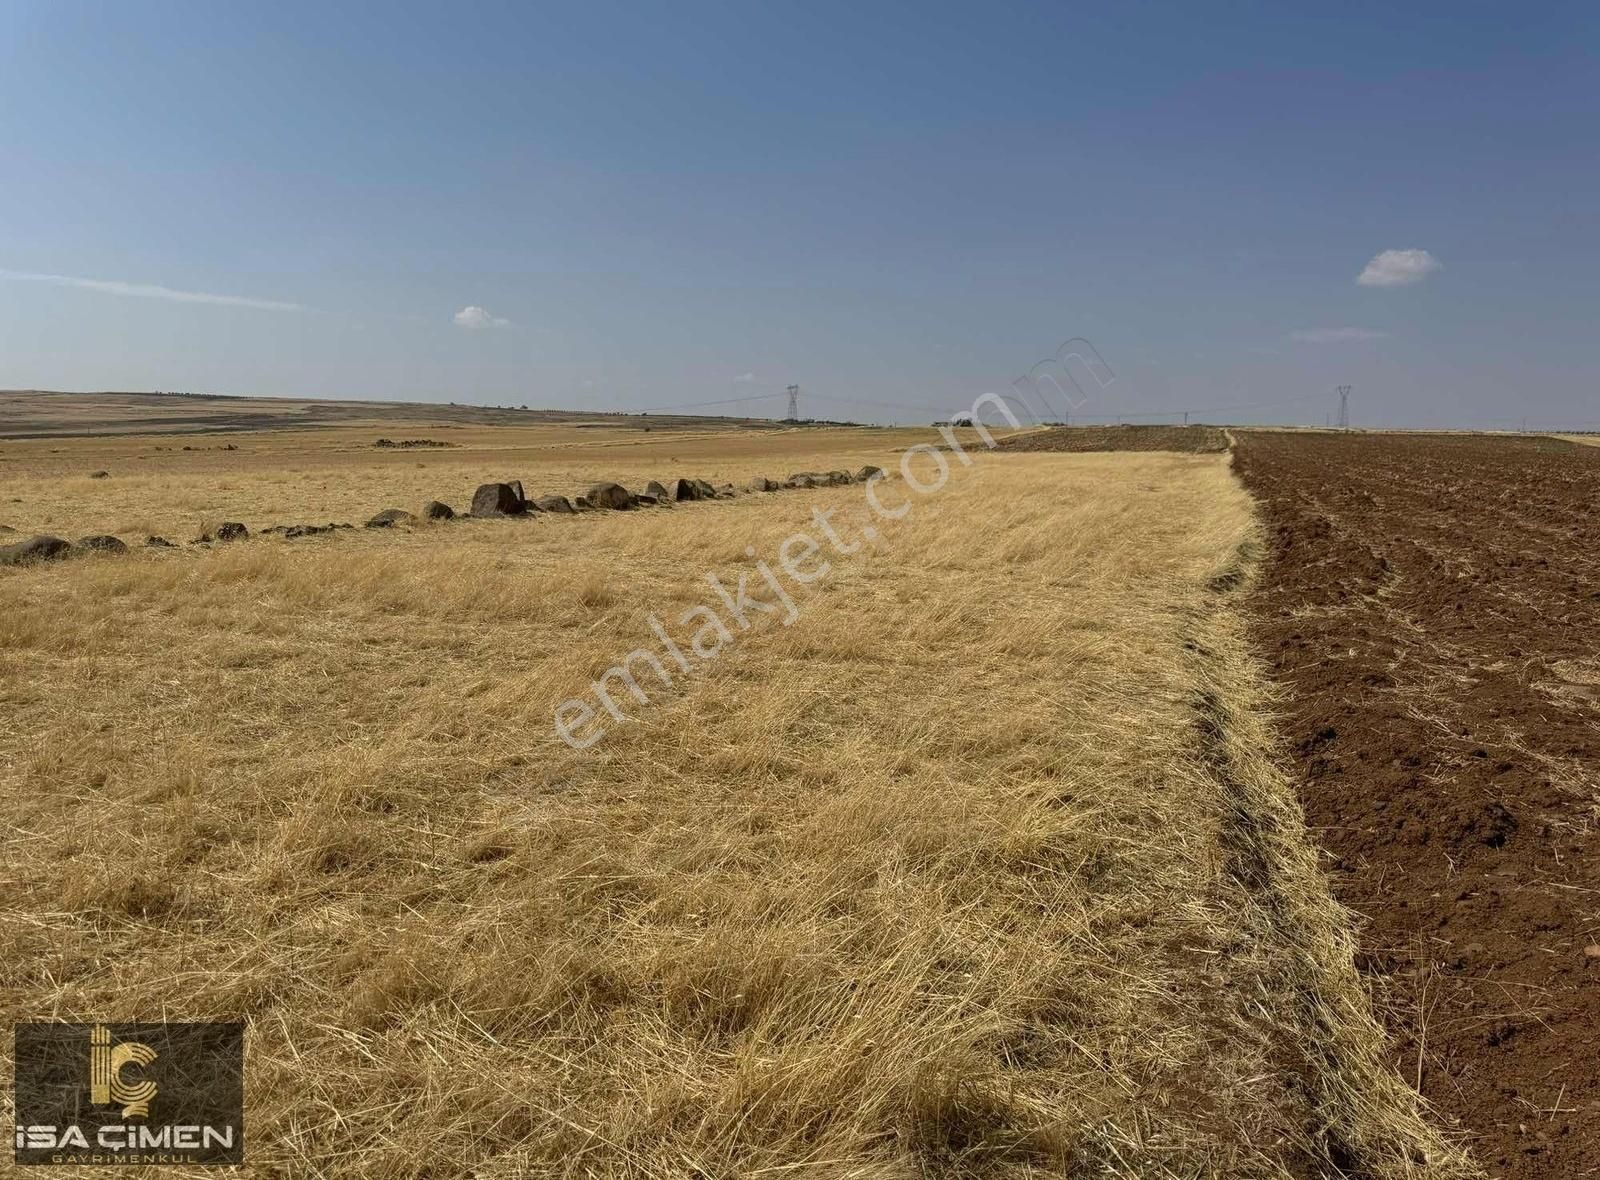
[[1431, 605]]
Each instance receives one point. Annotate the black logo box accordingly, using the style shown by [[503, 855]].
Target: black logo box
[[199, 1074]]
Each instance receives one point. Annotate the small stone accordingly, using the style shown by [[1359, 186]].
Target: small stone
[[390, 517], [99, 474], [102, 543]]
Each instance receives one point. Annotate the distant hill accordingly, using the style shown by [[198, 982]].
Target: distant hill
[[36, 413]]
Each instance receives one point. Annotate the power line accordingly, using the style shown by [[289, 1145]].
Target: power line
[[725, 401], [1282, 401], [939, 407]]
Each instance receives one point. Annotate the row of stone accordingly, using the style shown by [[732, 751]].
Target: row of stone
[[490, 500], [508, 499]]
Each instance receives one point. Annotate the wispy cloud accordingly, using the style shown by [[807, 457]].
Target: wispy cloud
[[152, 291], [473, 316], [1335, 335], [1398, 268], [744, 378]]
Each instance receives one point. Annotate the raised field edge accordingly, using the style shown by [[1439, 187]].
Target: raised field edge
[[1371, 1122]]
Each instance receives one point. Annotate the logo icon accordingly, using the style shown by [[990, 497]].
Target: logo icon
[[106, 1083], [163, 1094]]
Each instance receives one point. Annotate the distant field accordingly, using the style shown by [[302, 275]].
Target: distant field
[[154, 486], [980, 867], [1188, 439], [36, 413]]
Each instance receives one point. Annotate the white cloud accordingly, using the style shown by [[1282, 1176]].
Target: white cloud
[[473, 316], [151, 291], [1335, 335], [1398, 268], [744, 378]]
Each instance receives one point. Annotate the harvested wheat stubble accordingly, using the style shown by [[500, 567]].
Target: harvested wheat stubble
[[978, 869]]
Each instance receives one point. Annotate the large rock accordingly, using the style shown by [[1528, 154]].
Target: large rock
[[805, 479], [158, 543], [102, 543], [609, 495], [762, 484], [516, 487], [231, 530], [654, 488], [692, 489], [838, 478], [390, 517], [434, 510], [497, 499], [553, 504], [867, 473], [34, 549]]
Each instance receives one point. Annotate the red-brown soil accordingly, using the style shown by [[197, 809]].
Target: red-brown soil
[[1431, 606], [1194, 439]]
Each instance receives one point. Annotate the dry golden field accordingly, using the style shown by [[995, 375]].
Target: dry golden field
[[35, 413], [979, 865], [155, 487]]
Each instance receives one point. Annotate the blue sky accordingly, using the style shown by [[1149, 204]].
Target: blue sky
[[895, 206]]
